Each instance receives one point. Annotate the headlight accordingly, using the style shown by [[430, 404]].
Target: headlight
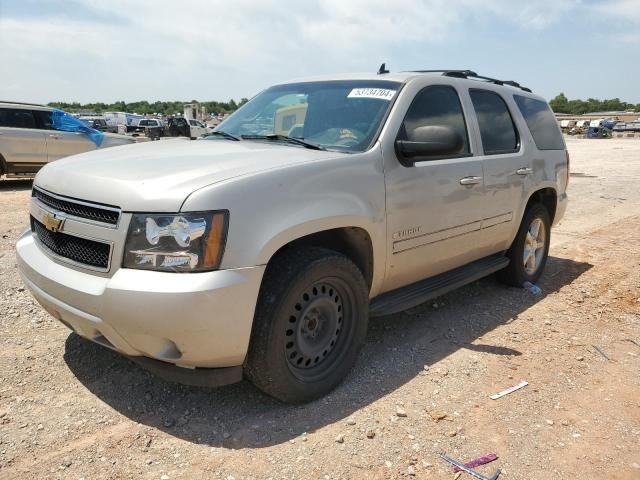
[[176, 242]]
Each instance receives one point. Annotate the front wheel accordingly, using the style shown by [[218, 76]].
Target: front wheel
[[530, 249], [310, 322]]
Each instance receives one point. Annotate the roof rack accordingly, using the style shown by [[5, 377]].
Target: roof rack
[[472, 74]]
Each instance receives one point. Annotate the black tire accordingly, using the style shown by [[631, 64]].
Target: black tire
[[310, 323], [516, 273]]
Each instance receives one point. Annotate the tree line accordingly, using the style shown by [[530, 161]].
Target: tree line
[[561, 104], [145, 107]]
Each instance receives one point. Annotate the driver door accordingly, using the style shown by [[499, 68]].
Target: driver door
[[433, 203]]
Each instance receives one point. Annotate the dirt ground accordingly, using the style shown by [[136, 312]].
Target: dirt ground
[[72, 409]]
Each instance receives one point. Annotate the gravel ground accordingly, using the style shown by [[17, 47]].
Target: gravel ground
[[72, 409]]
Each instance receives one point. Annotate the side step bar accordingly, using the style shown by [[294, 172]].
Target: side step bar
[[406, 297]]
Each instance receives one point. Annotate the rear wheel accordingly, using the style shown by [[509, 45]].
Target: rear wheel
[[530, 249], [310, 323]]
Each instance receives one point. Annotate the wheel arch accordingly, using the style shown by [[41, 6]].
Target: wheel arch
[[353, 242], [548, 197]]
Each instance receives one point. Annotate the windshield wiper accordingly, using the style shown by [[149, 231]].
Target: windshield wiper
[[286, 138], [226, 135]]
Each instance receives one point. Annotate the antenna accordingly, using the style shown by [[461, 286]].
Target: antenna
[[382, 70]]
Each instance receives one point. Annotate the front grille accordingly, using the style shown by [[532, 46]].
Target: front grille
[[80, 250], [78, 209]]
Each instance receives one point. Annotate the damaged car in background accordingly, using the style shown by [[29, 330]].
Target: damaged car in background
[[33, 135]]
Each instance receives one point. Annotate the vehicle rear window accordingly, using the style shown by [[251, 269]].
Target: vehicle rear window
[[497, 130], [541, 122], [16, 118]]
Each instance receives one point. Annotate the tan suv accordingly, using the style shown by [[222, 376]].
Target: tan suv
[[262, 250], [28, 139]]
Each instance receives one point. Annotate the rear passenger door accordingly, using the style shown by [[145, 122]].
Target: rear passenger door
[[22, 145], [505, 164]]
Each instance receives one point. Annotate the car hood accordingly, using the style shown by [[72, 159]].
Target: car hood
[[158, 176]]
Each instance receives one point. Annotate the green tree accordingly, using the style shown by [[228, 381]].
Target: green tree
[[146, 107], [559, 104]]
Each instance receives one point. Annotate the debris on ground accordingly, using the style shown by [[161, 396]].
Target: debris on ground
[[491, 457], [534, 290], [601, 353], [509, 390], [632, 341], [470, 471]]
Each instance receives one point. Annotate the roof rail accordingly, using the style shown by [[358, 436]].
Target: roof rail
[[450, 73], [472, 74], [22, 103]]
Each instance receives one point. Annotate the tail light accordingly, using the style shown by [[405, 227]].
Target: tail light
[[568, 169]]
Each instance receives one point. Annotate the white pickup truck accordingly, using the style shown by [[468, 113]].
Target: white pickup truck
[[187, 127]]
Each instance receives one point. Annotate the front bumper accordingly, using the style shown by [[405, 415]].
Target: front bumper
[[186, 319]]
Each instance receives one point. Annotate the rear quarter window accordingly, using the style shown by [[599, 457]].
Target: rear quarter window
[[541, 122]]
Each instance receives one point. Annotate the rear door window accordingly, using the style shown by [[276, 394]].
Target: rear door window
[[497, 130], [541, 122], [43, 119], [16, 118]]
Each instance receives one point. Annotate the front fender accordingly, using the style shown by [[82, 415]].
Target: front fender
[[270, 209]]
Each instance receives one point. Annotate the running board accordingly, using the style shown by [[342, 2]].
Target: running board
[[406, 297]]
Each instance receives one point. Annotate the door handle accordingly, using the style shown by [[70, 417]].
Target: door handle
[[470, 180], [524, 171], [52, 135]]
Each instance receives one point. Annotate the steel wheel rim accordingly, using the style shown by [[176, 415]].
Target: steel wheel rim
[[534, 246], [318, 329]]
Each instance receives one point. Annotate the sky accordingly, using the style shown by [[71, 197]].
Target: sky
[[89, 51]]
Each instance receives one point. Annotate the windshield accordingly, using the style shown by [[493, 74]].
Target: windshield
[[337, 115]]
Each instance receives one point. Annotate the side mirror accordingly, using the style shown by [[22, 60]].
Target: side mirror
[[429, 141]]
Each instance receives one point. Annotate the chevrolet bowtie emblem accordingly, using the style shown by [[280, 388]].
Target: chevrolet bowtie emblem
[[52, 222]]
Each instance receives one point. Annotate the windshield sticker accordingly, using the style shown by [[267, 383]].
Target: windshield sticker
[[379, 93]]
